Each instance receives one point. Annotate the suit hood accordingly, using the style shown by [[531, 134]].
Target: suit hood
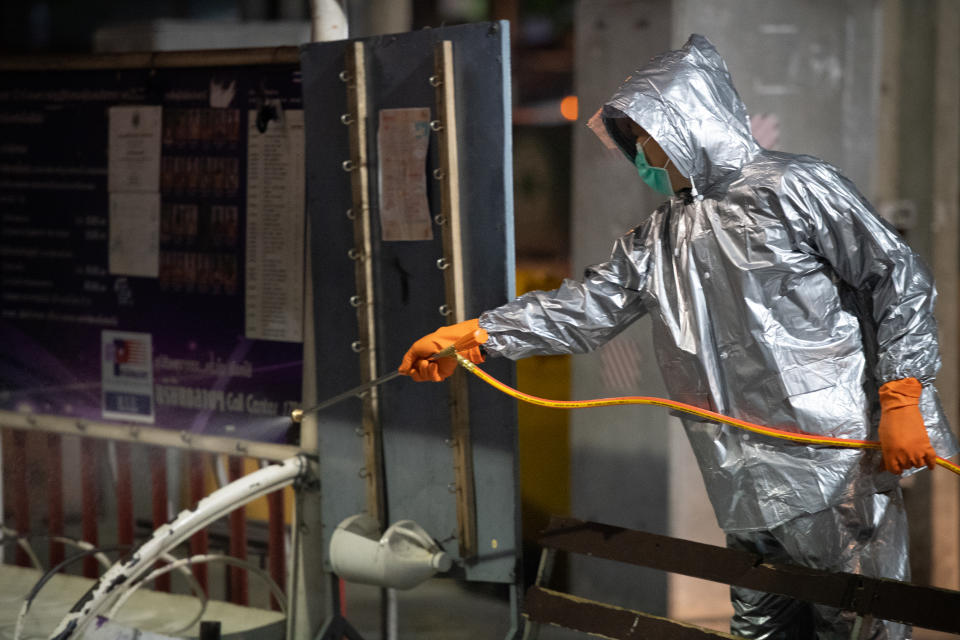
[[686, 101]]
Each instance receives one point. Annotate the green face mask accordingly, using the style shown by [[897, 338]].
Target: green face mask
[[656, 177]]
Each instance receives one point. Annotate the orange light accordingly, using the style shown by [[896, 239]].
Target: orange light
[[568, 108]]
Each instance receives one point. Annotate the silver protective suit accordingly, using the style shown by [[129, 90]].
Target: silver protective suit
[[777, 296], [866, 535]]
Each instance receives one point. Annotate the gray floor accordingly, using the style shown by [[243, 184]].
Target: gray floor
[[162, 613], [438, 609], [441, 609]]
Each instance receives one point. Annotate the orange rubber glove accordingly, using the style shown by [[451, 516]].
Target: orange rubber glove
[[903, 436], [416, 363]]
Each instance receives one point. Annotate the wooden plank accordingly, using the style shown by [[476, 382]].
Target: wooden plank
[[455, 294], [446, 127], [365, 345], [546, 606], [926, 607]]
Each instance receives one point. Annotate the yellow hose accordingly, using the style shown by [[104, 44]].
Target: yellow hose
[[712, 416]]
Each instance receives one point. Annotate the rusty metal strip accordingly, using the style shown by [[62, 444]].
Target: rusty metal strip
[[926, 607], [453, 276], [546, 606], [365, 345]]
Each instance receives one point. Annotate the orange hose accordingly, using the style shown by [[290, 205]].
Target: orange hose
[[793, 436]]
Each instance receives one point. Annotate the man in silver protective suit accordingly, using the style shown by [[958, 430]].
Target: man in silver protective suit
[[777, 296]]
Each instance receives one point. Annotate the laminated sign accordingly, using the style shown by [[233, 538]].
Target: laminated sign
[[127, 376]]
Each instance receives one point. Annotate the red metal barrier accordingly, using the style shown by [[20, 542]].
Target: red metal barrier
[[18, 483], [276, 546], [18, 489], [158, 472], [124, 495], [55, 496], [238, 539], [90, 499], [199, 542]]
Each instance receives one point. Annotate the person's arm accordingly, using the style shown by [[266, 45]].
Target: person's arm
[[576, 317], [833, 221]]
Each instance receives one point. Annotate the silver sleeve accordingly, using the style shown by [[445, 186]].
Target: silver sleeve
[[839, 225], [578, 316]]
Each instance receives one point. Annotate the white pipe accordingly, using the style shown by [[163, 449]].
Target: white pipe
[[183, 563], [6, 532], [124, 574], [328, 21], [83, 544]]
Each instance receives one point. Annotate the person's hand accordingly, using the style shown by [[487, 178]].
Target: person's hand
[[417, 364], [903, 436]]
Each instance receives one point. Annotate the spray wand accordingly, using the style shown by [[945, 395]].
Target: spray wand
[[479, 336], [463, 343]]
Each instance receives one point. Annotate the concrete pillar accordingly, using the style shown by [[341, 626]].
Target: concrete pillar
[[307, 582], [922, 173], [375, 17], [945, 502], [619, 456]]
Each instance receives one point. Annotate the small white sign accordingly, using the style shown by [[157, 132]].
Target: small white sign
[[133, 163], [135, 234], [403, 140], [126, 368], [276, 200]]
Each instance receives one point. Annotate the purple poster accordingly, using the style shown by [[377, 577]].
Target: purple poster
[[151, 246]]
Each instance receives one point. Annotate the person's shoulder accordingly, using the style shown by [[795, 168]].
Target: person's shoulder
[[779, 170]]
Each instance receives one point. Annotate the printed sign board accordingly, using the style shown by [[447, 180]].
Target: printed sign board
[[151, 245]]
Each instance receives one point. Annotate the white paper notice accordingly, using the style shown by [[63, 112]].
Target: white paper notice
[[134, 149], [402, 142], [135, 234], [275, 228], [126, 370]]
